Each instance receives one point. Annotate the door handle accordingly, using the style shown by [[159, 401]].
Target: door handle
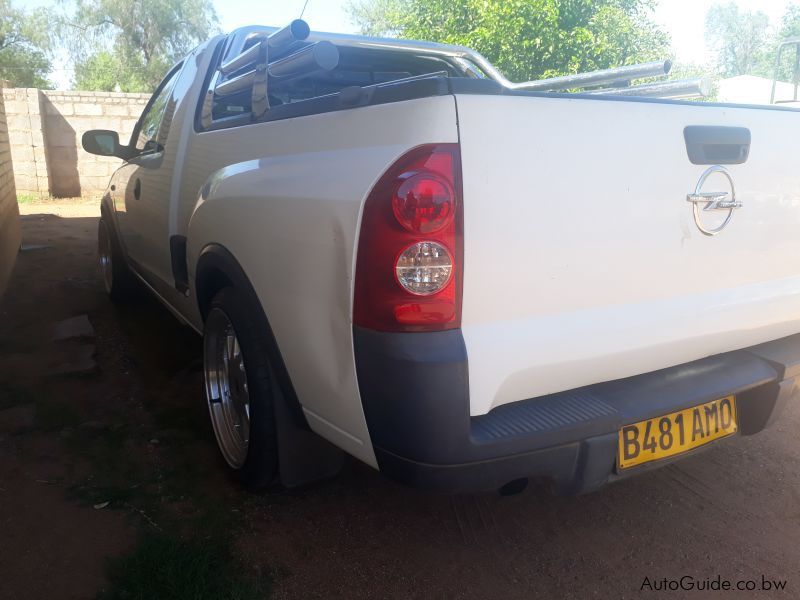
[[717, 145], [137, 189]]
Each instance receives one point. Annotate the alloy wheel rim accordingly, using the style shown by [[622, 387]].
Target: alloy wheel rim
[[227, 390]]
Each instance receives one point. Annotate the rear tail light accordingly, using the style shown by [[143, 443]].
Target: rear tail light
[[410, 250]]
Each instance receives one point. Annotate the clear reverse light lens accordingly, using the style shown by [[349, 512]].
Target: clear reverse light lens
[[424, 268]]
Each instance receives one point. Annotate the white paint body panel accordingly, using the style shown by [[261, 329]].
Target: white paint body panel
[[583, 262], [291, 219]]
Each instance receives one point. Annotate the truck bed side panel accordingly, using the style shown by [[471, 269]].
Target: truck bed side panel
[[291, 219]]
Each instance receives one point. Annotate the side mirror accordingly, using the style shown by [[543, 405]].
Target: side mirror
[[104, 143]]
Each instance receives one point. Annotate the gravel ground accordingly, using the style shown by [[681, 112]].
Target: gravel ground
[[731, 512]]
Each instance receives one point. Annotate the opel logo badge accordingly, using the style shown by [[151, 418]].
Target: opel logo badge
[[703, 202]]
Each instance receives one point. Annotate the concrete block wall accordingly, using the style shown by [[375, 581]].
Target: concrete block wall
[[45, 129], [26, 137], [7, 189], [9, 212]]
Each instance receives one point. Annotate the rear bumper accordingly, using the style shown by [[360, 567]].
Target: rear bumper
[[414, 389]]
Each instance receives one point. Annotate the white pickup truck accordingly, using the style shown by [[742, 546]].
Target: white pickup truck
[[392, 251]]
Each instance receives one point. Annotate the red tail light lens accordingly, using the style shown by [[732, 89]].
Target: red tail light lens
[[423, 202], [410, 249]]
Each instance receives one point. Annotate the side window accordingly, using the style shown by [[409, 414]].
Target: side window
[[232, 106], [151, 133]]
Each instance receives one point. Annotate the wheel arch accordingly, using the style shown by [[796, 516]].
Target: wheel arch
[[108, 213], [218, 268]]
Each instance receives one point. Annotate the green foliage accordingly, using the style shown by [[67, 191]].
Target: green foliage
[[138, 40], [377, 17], [103, 72], [741, 40], [790, 23], [11, 395], [168, 567], [789, 28], [526, 39], [23, 39], [27, 198]]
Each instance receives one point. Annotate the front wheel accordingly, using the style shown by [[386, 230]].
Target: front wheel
[[239, 390], [118, 280]]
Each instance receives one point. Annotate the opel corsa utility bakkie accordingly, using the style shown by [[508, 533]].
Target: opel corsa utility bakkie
[[392, 251]]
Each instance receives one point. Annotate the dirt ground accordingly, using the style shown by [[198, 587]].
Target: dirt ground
[[93, 465]]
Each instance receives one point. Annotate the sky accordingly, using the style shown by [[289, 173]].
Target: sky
[[685, 22], [322, 15], [683, 19]]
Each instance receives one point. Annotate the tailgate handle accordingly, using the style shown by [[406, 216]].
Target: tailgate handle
[[716, 145]]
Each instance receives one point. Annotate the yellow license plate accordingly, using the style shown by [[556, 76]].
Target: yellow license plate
[[677, 432]]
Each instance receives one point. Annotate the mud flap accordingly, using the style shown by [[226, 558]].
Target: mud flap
[[303, 456]]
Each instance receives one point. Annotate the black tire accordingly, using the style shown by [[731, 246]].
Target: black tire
[[260, 467], [121, 285]]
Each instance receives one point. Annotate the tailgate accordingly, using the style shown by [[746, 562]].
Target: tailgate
[[583, 261]]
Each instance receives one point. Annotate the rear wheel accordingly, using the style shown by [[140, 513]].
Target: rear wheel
[[239, 388], [118, 280]]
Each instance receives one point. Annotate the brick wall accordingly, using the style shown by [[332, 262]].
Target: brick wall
[[9, 214], [6, 170], [45, 129], [23, 114]]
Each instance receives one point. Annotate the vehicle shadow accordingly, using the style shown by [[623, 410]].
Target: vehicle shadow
[[730, 511]]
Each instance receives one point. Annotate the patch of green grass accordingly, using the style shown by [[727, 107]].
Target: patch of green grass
[[104, 446], [185, 546], [91, 492], [191, 422], [11, 395], [27, 198], [168, 567], [56, 414], [116, 477], [34, 198]]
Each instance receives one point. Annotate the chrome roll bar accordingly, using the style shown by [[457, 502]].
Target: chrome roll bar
[[678, 89], [293, 52]]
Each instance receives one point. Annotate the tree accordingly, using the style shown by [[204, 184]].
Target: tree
[[742, 40], [790, 22], [526, 39], [380, 18], [138, 40], [102, 72], [23, 61], [789, 28]]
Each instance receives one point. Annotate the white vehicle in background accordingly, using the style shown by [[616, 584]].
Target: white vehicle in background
[[393, 251]]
